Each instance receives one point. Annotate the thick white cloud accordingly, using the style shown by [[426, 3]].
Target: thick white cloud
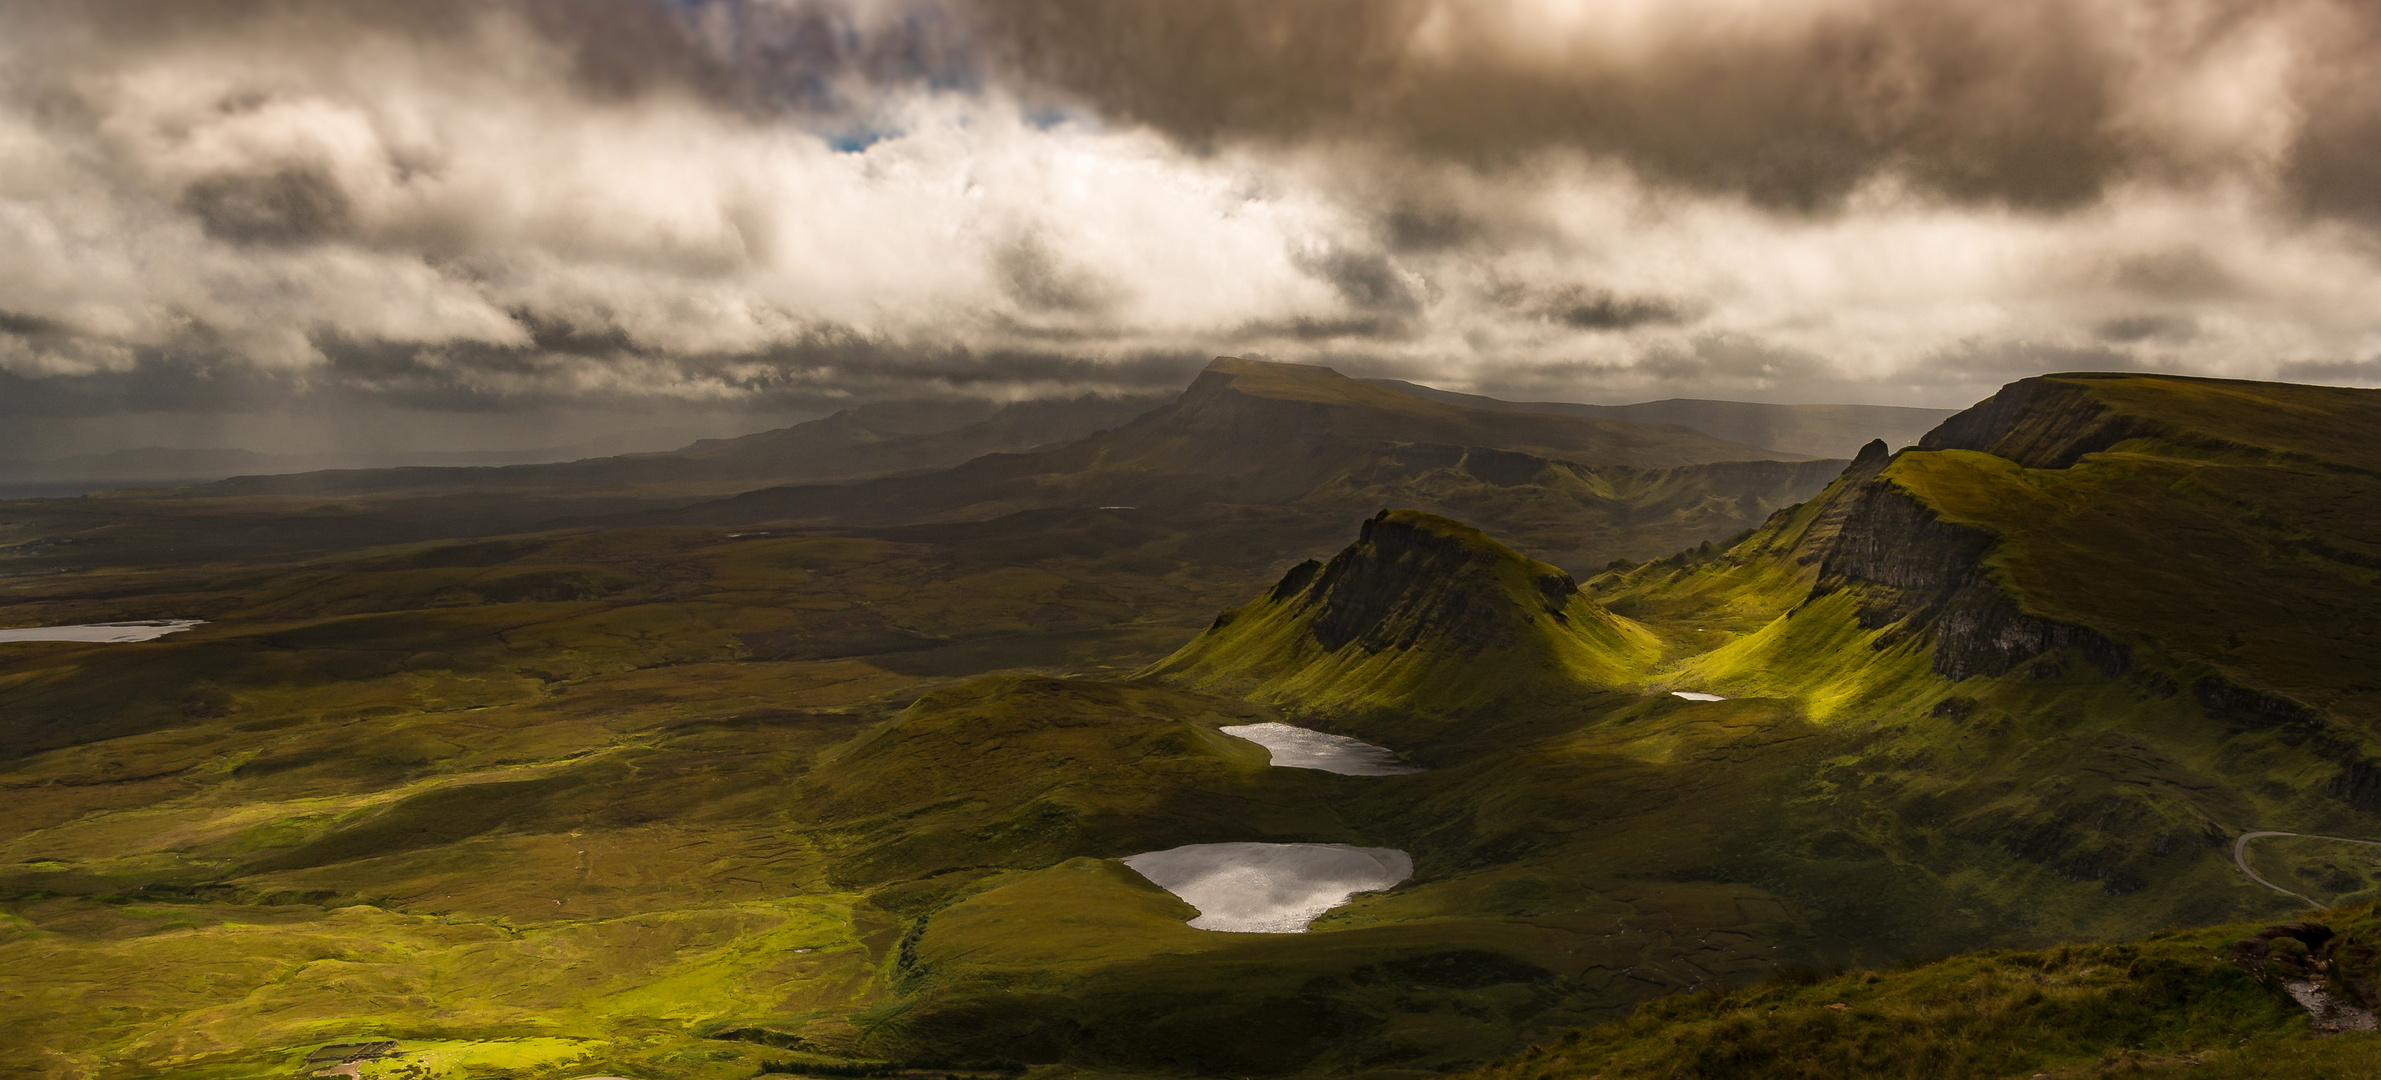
[[460, 208]]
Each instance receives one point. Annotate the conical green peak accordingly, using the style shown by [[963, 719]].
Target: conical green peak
[[1423, 612]]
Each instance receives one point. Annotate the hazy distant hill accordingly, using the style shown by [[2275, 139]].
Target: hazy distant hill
[[1281, 455], [868, 440], [1810, 430], [1328, 449], [154, 465]]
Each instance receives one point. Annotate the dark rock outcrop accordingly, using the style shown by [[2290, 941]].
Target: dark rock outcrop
[[1404, 581], [1914, 570], [2225, 699], [2330, 975], [1819, 538], [2358, 783]]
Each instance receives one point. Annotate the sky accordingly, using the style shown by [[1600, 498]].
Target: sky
[[294, 224]]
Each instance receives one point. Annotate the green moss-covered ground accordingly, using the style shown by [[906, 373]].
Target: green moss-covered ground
[[2180, 1002]]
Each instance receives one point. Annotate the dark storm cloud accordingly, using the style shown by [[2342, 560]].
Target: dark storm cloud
[[1308, 329], [2133, 328], [1582, 308], [1369, 281], [823, 370], [286, 206], [1040, 279], [618, 48], [2335, 163], [2030, 103]]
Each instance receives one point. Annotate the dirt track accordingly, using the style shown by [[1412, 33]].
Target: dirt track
[[2240, 858]]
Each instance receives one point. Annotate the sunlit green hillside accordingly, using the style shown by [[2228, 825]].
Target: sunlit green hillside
[[2098, 670], [1421, 614]]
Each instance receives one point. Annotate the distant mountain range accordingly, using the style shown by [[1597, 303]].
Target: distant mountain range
[[1315, 447], [169, 465], [1807, 430], [882, 439], [1283, 455], [870, 440]]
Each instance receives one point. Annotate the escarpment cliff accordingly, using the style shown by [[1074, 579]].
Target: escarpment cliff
[[2048, 422], [1918, 572], [2221, 538]]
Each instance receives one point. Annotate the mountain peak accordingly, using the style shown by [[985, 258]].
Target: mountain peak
[[1297, 382], [1414, 579], [1423, 611], [1246, 402]]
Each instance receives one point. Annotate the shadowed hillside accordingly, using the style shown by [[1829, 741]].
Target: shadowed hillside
[[2222, 1002]]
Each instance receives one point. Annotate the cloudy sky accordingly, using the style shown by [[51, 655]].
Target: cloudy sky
[[231, 222]]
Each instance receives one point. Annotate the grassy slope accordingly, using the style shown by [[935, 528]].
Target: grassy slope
[[2180, 1002]]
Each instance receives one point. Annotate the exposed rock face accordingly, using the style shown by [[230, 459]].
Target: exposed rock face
[[1819, 539], [2358, 784], [1917, 570], [1403, 582], [2329, 975], [2039, 423], [2224, 698]]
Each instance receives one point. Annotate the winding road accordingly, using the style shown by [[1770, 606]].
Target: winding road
[[2240, 858]]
